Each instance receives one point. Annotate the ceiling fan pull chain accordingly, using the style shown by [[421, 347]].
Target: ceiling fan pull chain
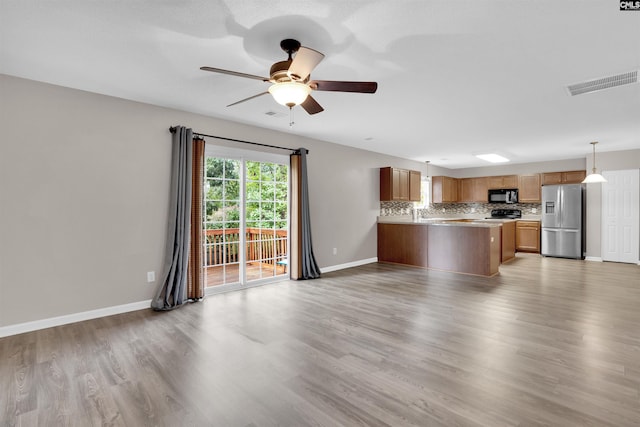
[[291, 122]]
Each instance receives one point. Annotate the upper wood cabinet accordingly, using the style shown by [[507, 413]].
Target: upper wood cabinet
[[444, 189], [529, 188], [569, 177], [399, 185], [506, 181], [472, 190], [415, 182]]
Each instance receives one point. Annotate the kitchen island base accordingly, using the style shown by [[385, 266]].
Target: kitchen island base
[[457, 247]]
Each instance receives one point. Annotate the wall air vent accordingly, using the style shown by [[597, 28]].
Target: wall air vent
[[603, 83]]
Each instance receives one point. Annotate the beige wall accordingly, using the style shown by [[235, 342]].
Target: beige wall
[[84, 189]]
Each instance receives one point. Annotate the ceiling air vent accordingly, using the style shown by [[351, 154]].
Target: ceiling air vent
[[603, 83], [275, 114]]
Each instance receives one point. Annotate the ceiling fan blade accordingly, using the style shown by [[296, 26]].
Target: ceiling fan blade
[[234, 73], [338, 86], [247, 99], [303, 63], [311, 106]]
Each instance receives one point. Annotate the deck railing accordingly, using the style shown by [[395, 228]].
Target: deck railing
[[263, 245]]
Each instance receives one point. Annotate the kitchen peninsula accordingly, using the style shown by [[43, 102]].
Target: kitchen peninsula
[[458, 245]]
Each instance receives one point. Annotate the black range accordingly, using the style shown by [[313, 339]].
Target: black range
[[505, 214]]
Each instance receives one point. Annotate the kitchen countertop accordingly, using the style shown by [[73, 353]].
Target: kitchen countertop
[[449, 222], [408, 219]]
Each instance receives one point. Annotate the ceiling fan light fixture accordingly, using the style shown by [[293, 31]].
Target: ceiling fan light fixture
[[289, 94]]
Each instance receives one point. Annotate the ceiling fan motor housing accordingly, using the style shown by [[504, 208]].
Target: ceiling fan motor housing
[[278, 72]]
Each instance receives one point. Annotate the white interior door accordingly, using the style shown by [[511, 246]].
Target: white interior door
[[620, 217]]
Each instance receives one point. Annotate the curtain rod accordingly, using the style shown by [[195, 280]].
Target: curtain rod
[[172, 129]]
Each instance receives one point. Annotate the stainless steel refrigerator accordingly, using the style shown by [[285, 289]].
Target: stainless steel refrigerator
[[563, 221]]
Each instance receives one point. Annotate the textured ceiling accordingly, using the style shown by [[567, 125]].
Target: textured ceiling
[[455, 78]]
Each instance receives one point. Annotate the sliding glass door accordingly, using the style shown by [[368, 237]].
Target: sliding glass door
[[266, 219], [246, 217]]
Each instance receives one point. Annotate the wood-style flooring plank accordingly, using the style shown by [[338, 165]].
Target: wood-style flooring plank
[[547, 342]]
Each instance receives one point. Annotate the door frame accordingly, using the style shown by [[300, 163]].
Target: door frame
[[605, 230], [214, 150]]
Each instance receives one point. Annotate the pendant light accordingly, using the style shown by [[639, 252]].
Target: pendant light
[[594, 177]]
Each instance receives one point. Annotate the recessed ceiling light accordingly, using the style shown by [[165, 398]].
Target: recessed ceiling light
[[492, 157]]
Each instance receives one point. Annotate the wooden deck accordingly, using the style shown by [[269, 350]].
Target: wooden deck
[[218, 275]]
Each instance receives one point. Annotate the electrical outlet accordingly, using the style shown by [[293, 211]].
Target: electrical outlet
[[444, 210], [335, 251], [534, 210], [151, 276]]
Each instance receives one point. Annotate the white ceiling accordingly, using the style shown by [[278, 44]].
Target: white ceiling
[[455, 77]]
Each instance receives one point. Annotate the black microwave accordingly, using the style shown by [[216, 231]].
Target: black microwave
[[503, 196]]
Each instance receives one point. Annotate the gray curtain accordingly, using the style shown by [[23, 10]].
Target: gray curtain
[[172, 290], [308, 262]]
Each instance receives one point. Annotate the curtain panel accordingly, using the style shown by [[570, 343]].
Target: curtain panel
[[303, 261], [195, 270], [182, 277]]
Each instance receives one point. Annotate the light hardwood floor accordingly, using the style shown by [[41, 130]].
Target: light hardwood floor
[[547, 342]]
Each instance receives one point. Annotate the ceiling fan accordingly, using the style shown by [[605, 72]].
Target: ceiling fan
[[291, 84]]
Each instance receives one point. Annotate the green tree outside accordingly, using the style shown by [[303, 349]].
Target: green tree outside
[[266, 190]]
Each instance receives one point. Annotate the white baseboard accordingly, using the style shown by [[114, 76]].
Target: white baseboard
[[593, 258], [35, 325], [348, 265]]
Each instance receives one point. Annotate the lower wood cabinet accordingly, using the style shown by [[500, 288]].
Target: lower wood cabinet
[[528, 236]]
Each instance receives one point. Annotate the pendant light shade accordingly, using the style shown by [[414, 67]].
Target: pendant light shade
[[594, 177]]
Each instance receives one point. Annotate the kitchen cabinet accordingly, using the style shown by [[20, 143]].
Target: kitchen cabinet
[[472, 190], [500, 182], [415, 181], [528, 236], [568, 177], [529, 188], [444, 189], [399, 185]]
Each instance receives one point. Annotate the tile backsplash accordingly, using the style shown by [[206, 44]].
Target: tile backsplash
[[435, 209]]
